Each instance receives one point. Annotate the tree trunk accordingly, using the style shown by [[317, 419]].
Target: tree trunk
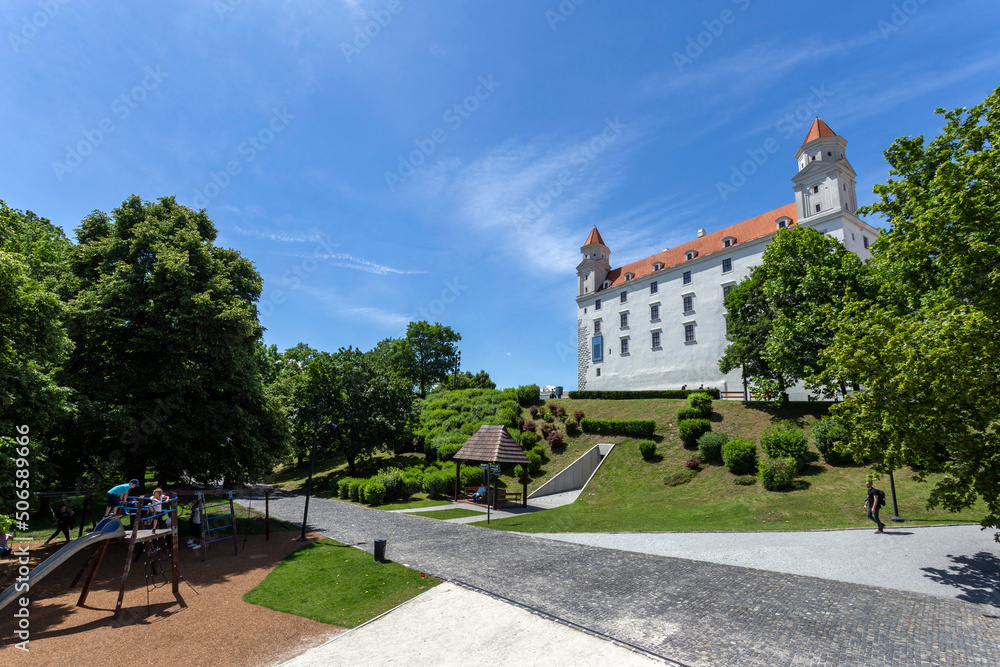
[[350, 465]]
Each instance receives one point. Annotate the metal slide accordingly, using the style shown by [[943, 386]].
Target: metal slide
[[107, 529]]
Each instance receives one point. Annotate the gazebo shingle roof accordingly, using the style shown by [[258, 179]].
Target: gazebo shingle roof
[[491, 443]]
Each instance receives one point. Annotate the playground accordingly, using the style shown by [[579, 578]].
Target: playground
[[215, 628]]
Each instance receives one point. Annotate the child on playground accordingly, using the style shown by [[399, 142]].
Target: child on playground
[[195, 526], [64, 521], [156, 502], [117, 496]]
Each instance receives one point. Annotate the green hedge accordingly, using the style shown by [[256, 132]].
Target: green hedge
[[740, 456], [636, 428], [784, 440], [710, 447], [826, 435], [777, 474], [692, 429], [647, 448], [611, 395]]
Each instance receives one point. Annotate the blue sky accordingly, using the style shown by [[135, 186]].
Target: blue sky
[[387, 160]]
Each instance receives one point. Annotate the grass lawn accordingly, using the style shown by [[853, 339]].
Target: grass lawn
[[457, 513], [629, 493], [334, 583]]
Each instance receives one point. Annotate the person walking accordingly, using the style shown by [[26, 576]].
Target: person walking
[[873, 503], [64, 521]]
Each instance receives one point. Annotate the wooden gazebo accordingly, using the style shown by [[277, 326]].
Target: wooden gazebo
[[491, 444]]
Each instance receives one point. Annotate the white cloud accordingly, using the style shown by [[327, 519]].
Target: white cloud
[[307, 237], [349, 261]]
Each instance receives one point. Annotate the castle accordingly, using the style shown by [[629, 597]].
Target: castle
[[659, 322]]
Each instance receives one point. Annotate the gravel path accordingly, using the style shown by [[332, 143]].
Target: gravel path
[[693, 612]]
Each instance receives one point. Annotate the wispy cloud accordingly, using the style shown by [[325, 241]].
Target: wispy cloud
[[306, 237], [349, 261], [338, 306]]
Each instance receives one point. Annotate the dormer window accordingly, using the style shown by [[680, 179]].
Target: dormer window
[[690, 254], [606, 284], [728, 241], [657, 266], [629, 276], [784, 221]]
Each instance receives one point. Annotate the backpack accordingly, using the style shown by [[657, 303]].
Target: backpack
[[881, 497]]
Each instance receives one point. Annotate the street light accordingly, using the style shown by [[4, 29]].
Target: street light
[[309, 483], [895, 507], [458, 364]]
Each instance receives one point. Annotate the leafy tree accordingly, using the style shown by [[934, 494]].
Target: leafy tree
[[359, 392], [782, 316], [467, 380], [426, 356], [168, 362], [926, 345]]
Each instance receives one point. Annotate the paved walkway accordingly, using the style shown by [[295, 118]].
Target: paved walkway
[[693, 612]]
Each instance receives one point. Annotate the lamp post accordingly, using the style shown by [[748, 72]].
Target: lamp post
[[458, 364], [895, 507], [309, 483]]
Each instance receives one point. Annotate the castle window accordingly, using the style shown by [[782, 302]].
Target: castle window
[[598, 372], [597, 305], [817, 208], [812, 158], [624, 297], [656, 339], [829, 153], [689, 333], [657, 266], [815, 189], [597, 327], [653, 287], [690, 254], [624, 320], [865, 239], [607, 284], [728, 241], [727, 265], [598, 348], [624, 346], [654, 312], [686, 279], [688, 303], [726, 290], [629, 276]]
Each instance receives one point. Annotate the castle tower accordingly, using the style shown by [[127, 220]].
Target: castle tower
[[595, 266], [825, 181]]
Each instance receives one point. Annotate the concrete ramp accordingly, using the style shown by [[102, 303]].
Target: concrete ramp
[[107, 529], [567, 485]]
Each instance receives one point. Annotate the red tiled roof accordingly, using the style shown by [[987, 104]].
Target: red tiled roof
[[818, 129], [748, 230], [595, 237]]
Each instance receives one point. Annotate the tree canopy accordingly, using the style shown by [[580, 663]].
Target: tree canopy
[[926, 345], [783, 315], [426, 355]]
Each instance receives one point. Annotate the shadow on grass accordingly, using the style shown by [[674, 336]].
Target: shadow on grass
[[655, 458], [810, 470]]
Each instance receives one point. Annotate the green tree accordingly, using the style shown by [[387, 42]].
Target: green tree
[[168, 362], [783, 315], [926, 345], [467, 380], [426, 356], [358, 391]]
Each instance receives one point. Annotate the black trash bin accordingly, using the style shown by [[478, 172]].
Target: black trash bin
[[380, 550]]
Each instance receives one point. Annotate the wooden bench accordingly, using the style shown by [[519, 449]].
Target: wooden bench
[[508, 496]]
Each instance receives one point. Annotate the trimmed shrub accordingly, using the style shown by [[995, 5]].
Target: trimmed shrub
[[740, 456], [692, 429], [435, 482], [520, 423], [694, 463], [471, 475], [710, 447], [344, 488], [636, 428], [529, 425], [745, 480], [354, 489], [528, 394], [529, 439], [533, 411], [777, 474], [688, 413], [414, 483], [559, 411], [534, 460], [374, 492], [614, 395], [679, 476], [540, 450], [447, 451], [702, 402], [572, 428], [784, 440], [392, 480], [647, 448], [578, 415], [519, 472], [555, 439], [825, 435]]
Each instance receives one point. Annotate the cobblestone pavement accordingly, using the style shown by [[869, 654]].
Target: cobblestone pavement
[[692, 612]]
